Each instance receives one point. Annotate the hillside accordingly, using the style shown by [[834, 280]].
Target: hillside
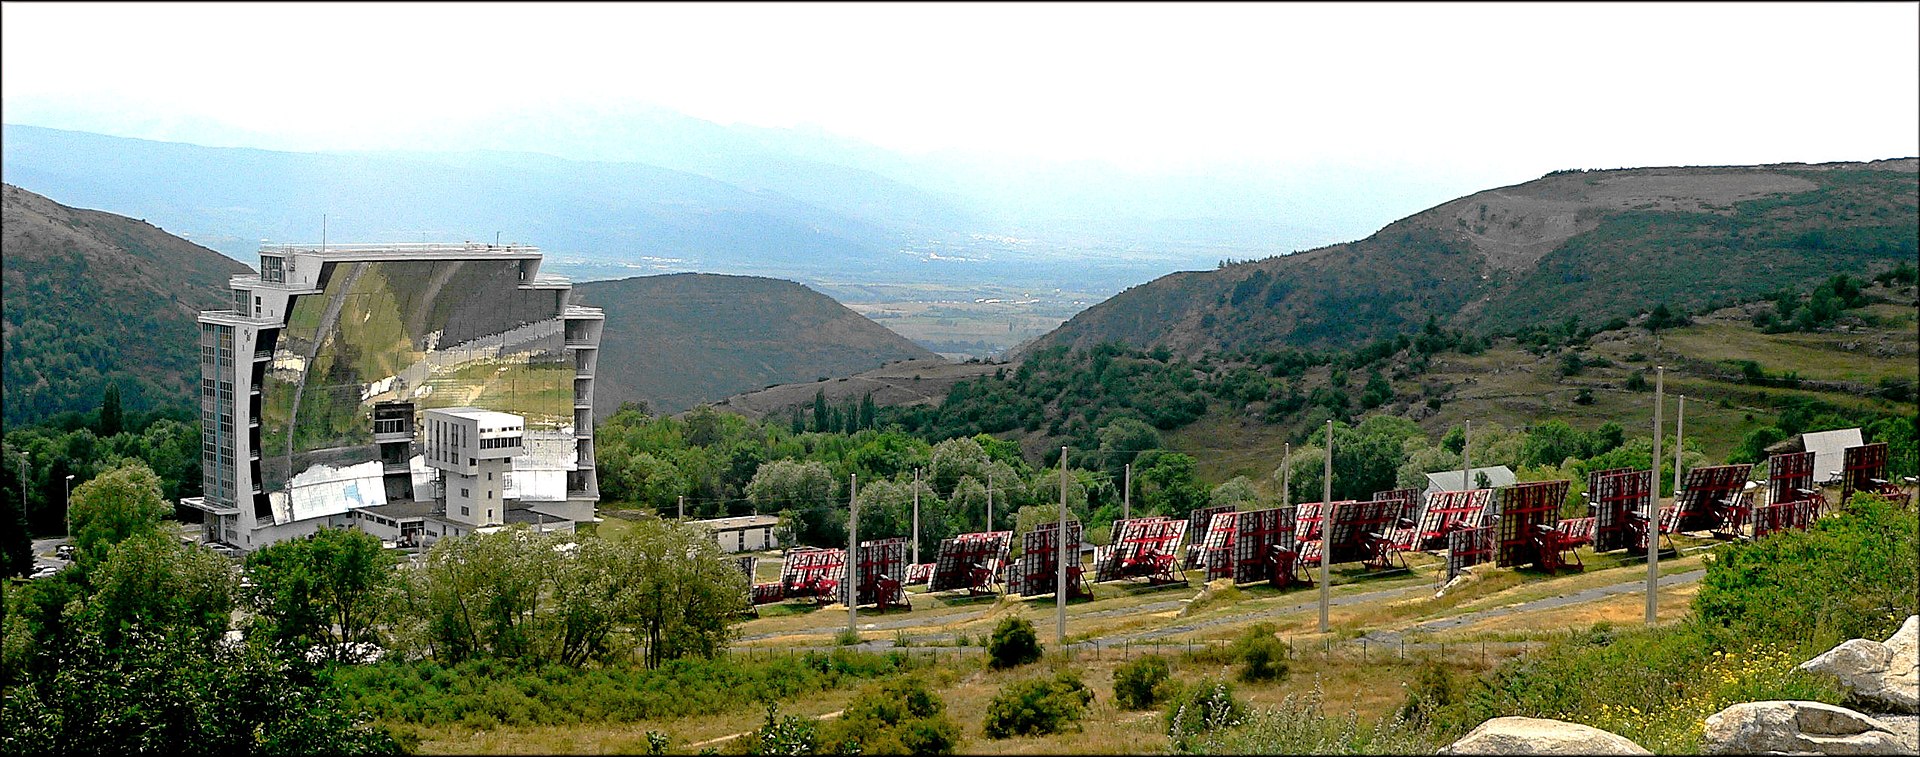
[[1588, 244], [93, 297], [680, 340]]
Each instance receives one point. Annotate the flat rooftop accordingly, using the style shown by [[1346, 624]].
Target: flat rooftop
[[397, 248], [741, 521]]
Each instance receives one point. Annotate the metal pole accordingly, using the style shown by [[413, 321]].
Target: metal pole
[[1060, 560], [683, 507], [1126, 495], [1653, 500], [1679, 435], [1326, 524], [916, 516], [67, 509], [989, 503], [853, 554]]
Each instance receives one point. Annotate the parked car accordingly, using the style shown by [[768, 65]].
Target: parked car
[[64, 552], [45, 571]]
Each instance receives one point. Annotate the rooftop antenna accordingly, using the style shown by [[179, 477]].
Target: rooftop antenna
[[496, 239], [323, 232]]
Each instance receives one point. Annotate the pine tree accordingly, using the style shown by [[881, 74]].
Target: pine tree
[[112, 419]]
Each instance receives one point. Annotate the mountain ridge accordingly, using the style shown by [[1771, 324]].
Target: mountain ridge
[[1575, 243]]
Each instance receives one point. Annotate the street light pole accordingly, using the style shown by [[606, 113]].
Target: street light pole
[[67, 509]]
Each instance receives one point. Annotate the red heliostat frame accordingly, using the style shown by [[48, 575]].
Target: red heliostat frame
[[1142, 548], [1790, 478], [811, 572], [1357, 530], [1614, 497], [1524, 510], [1035, 572], [1707, 495], [970, 561], [1199, 525], [1863, 469], [1448, 511], [1263, 546], [882, 572], [1216, 555]]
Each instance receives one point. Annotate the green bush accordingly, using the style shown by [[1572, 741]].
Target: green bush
[[1013, 644], [1141, 683], [1206, 707], [1262, 656], [1038, 706], [1850, 576], [792, 734], [1299, 726], [897, 717]]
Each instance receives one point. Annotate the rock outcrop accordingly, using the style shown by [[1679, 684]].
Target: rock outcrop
[[1518, 735], [1880, 676], [1796, 727]]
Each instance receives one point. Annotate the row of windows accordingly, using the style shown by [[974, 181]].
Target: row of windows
[[503, 442]]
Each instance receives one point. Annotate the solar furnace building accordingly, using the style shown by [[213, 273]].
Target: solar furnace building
[[413, 391]]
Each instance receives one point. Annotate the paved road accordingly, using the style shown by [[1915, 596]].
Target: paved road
[[1548, 603]]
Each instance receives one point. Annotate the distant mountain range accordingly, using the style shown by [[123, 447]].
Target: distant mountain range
[[648, 191], [1592, 245], [679, 340], [92, 298]]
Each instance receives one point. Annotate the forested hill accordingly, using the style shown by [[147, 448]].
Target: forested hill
[[680, 340], [93, 298], [1588, 244]]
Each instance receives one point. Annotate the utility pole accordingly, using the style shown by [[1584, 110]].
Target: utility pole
[[1126, 495], [916, 516], [1060, 562], [1326, 524], [68, 508], [853, 555], [683, 507], [989, 503], [1679, 436], [1653, 500]]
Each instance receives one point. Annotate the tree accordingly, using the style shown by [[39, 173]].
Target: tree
[[1168, 483], [116, 505], [806, 489], [112, 418], [158, 693], [655, 482], [684, 591], [334, 589], [152, 580], [1141, 683], [1122, 441], [1037, 706], [1237, 492]]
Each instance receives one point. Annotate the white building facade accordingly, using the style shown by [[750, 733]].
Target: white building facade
[[322, 388]]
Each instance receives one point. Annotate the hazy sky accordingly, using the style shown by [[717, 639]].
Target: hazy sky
[[1158, 88]]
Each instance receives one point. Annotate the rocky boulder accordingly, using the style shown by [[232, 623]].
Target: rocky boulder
[[1796, 727], [1880, 676], [1517, 735]]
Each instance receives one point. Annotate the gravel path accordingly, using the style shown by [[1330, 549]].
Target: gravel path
[[1548, 603]]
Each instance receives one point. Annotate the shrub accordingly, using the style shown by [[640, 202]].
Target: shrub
[[1037, 706], [1299, 726], [789, 735], [1013, 644], [1637, 381], [897, 717], [1141, 683], [1262, 656], [1205, 707]]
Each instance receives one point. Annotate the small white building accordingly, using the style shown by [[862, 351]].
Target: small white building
[[745, 533], [1829, 450]]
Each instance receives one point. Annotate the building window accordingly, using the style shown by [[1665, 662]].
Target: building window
[[463, 509], [489, 515], [463, 493]]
